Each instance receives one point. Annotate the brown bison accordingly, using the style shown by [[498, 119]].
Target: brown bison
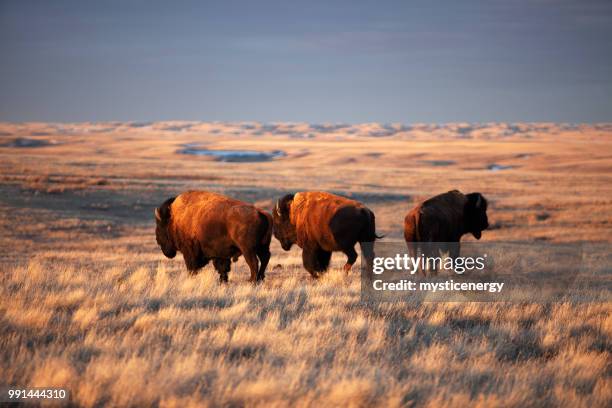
[[321, 223], [445, 218], [207, 226]]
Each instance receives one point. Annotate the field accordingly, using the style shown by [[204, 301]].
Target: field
[[89, 303]]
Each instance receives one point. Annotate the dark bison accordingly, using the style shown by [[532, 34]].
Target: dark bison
[[445, 218], [321, 223], [207, 226]]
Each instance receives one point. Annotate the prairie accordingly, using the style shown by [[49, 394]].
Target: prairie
[[89, 303]]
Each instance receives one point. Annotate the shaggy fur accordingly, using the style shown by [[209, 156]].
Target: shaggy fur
[[321, 223], [206, 226]]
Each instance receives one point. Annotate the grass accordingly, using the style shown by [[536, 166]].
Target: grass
[[88, 302], [144, 333]]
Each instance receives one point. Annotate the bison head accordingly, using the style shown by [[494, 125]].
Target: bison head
[[162, 235], [284, 231], [476, 219]]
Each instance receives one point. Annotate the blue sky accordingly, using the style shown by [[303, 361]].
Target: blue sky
[[314, 61]]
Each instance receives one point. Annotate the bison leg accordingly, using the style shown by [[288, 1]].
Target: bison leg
[[309, 260], [413, 252], [454, 250], [323, 257], [264, 257], [222, 266], [431, 250], [367, 251], [427, 253], [315, 259], [351, 258], [251, 259]]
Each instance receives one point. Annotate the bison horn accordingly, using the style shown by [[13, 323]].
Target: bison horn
[[277, 209], [157, 215], [479, 201]]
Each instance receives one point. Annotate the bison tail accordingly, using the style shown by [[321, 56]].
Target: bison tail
[[369, 234]]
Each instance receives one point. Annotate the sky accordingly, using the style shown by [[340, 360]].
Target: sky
[[308, 61]]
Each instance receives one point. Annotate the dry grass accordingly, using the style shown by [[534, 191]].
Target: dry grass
[[89, 303], [143, 333]]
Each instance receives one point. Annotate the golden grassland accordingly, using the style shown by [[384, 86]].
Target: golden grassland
[[89, 302]]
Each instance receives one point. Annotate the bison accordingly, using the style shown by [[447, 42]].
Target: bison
[[321, 223], [206, 226], [445, 218]]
